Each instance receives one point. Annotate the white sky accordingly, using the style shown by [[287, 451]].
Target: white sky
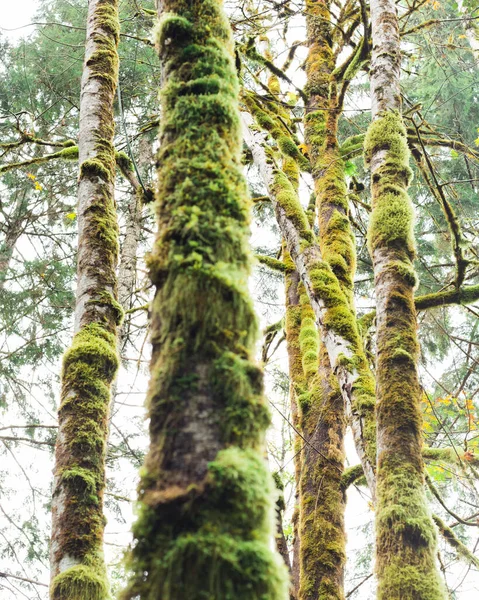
[[16, 13]]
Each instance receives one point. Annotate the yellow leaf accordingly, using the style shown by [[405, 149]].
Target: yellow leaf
[[303, 148], [72, 216]]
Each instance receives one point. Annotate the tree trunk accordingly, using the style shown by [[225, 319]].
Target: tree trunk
[[297, 388], [12, 229], [405, 534], [322, 501], [89, 366], [207, 512]]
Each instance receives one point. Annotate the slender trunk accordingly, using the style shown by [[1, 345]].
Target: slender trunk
[[405, 534], [322, 501], [89, 366], [323, 415], [207, 512], [297, 388], [13, 230]]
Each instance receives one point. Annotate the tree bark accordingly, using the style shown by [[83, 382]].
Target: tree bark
[[207, 510], [89, 366], [405, 534], [297, 388]]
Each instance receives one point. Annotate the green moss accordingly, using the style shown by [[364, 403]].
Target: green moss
[[106, 299], [70, 152], [351, 475], [451, 538], [80, 582], [124, 162], [273, 263], [287, 198], [238, 387], [448, 455], [404, 581], [392, 222], [392, 219], [95, 167], [206, 509]]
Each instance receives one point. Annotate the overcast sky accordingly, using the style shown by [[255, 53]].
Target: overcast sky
[[16, 13]]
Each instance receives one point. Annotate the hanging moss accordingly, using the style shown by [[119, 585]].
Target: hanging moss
[[80, 582], [206, 501], [322, 500]]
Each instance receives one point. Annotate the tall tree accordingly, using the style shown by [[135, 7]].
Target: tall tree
[[89, 366], [405, 534], [205, 495]]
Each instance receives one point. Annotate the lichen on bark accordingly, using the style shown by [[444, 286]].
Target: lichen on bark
[[206, 501]]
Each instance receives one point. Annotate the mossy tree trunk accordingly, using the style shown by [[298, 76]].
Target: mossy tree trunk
[[405, 534], [89, 366], [297, 388], [322, 501], [206, 500]]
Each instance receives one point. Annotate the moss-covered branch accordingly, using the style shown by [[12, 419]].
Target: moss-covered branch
[[351, 476], [452, 539], [70, 152], [272, 263]]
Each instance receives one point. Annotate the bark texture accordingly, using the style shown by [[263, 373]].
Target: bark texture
[[206, 500], [405, 534], [89, 366]]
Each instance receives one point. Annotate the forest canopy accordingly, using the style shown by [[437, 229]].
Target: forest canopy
[[239, 300]]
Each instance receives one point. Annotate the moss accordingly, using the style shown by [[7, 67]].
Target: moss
[[392, 222], [106, 299], [81, 582], [124, 162], [70, 152], [392, 219], [287, 198], [455, 542], [272, 263], [351, 475], [446, 454], [91, 362], [95, 167], [308, 339], [240, 392], [322, 501], [206, 503]]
